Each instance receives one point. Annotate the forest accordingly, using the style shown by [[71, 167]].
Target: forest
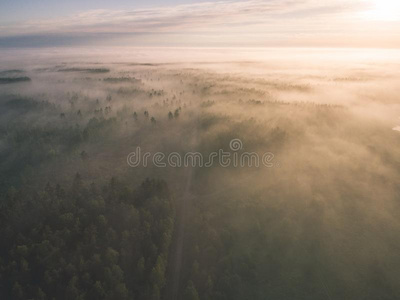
[[79, 222], [86, 242]]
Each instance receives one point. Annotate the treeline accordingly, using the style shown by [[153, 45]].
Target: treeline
[[6, 80], [86, 242]]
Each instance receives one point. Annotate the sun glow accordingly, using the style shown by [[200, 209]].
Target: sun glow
[[384, 10]]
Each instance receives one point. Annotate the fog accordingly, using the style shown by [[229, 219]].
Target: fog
[[321, 223]]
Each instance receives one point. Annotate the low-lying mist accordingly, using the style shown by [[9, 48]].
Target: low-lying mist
[[321, 223]]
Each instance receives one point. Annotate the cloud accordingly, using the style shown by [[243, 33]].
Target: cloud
[[253, 22], [189, 17]]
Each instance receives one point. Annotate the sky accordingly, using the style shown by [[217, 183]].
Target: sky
[[191, 23]]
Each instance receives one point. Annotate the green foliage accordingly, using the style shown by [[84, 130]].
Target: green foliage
[[85, 244], [191, 292]]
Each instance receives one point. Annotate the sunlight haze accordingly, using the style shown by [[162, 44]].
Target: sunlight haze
[[200, 150], [304, 23]]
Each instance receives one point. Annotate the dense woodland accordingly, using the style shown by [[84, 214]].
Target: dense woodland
[[78, 223], [86, 242]]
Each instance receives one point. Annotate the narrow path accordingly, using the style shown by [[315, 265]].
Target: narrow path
[[175, 260], [176, 254]]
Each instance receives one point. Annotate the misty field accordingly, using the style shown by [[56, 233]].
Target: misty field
[[78, 222]]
